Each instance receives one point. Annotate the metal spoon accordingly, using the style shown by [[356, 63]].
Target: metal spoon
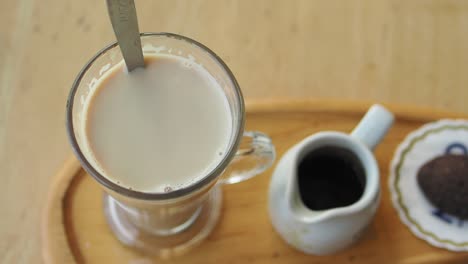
[[124, 20]]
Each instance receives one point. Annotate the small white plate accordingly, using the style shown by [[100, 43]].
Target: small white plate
[[424, 220]]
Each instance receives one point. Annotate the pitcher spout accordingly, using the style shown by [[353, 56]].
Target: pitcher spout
[[297, 207]]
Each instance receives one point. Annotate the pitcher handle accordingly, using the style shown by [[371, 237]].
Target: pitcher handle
[[256, 154], [373, 126]]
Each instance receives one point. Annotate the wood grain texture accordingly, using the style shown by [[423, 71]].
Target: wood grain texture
[[75, 228], [394, 51]]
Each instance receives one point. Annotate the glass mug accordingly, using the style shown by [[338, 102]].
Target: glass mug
[[169, 223]]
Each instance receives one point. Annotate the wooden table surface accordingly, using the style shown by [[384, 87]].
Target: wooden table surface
[[406, 52]]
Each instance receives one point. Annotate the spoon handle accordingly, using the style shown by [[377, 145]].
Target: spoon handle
[[124, 20]]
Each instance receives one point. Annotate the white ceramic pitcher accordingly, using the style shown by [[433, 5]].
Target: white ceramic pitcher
[[327, 231]]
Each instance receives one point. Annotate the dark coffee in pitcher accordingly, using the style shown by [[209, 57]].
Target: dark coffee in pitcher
[[330, 177]]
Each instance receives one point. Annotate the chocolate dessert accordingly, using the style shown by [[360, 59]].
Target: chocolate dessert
[[444, 182]]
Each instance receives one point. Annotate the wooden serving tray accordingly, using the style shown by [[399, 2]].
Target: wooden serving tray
[[74, 229]]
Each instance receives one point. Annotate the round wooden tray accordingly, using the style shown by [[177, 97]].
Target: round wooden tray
[[74, 229]]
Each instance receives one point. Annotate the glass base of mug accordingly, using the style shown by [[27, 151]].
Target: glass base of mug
[[166, 246]]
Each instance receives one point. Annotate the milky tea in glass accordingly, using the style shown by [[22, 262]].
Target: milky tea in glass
[[162, 140]]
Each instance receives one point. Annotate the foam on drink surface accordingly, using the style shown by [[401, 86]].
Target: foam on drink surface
[[157, 129]]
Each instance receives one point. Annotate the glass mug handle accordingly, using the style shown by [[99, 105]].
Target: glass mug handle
[[256, 153]]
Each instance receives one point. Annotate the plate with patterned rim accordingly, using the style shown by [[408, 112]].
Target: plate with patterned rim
[[424, 220]]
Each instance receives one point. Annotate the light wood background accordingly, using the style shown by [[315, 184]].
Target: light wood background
[[407, 52]]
